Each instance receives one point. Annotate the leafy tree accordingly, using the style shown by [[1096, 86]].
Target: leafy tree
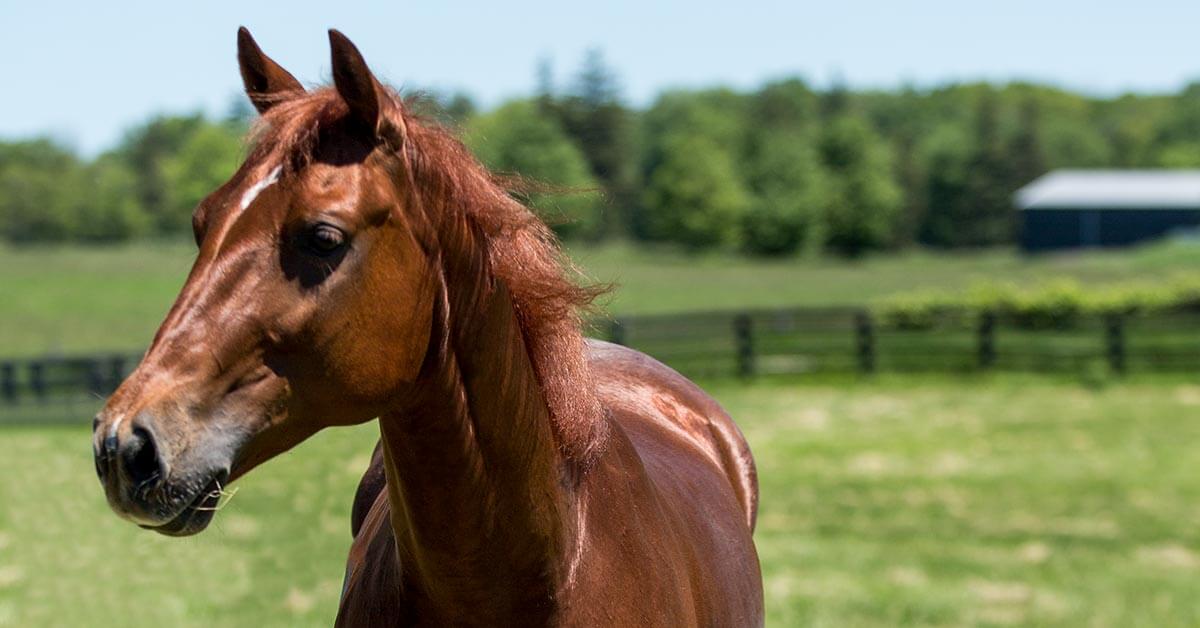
[[949, 206], [694, 196], [111, 213], [147, 149], [788, 190], [518, 139], [863, 201], [206, 158], [901, 118], [788, 104], [711, 119], [1180, 155], [40, 188]]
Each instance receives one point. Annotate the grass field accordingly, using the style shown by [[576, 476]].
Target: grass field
[[101, 299], [885, 502]]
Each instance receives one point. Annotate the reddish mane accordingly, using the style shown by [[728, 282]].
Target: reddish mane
[[452, 188]]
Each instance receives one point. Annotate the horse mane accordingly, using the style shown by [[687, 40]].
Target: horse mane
[[546, 289]]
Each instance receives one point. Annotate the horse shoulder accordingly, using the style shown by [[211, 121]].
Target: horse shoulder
[[639, 390], [672, 500]]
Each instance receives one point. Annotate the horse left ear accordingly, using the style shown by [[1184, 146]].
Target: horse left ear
[[369, 101], [266, 81]]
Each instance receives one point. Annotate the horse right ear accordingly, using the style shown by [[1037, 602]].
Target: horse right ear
[[366, 97], [266, 81]]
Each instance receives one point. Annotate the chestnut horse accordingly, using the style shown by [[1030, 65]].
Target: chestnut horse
[[361, 264]]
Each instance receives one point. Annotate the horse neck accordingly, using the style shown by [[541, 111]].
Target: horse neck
[[473, 471]]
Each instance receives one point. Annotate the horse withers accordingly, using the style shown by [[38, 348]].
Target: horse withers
[[360, 264]]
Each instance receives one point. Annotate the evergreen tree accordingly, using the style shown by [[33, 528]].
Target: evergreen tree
[[992, 218], [602, 127], [1026, 157]]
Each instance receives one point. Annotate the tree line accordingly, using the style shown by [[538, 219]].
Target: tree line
[[781, 169]]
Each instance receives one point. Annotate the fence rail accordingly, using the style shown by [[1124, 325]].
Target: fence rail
[[792, 341], [853, 340], [58, 378]]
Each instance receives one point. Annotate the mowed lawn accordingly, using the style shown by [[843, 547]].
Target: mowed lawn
[[885, 502], [81, 299]]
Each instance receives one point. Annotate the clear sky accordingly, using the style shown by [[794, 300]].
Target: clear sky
[[85, 71]]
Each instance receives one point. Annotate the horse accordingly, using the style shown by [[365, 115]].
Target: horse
[[361, 265]]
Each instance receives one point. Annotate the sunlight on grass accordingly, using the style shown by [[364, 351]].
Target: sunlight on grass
[[895, 501]]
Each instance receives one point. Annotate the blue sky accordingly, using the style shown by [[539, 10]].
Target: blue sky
[[84, 72]]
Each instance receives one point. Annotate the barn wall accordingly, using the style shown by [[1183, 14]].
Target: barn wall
[[1046, 229]]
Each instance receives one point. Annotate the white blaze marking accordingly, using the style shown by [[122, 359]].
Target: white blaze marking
[[112, 429], [257, 188]]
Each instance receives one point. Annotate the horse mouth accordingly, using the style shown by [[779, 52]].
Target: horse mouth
[[196, 516]]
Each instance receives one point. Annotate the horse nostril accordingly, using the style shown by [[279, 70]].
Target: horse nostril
[[140, 458], [101, 462]]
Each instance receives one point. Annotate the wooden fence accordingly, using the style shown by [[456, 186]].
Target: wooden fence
[[792, 341], [59, 378], [795, 341]]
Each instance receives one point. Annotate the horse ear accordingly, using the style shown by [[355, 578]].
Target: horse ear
[[264, 79], [368, 100]]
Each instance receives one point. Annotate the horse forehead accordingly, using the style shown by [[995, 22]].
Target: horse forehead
[[341, 185], [256, 187]]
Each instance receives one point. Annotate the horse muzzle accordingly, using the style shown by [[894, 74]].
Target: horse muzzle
[[146, 485]]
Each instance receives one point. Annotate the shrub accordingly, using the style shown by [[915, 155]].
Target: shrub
[[1054, 304]]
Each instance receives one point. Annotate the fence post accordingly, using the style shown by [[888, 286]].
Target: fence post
[[864, 334], [1115, 337], [616, 332], [987, 339], [8, 382], [37, 379], [743, 333]]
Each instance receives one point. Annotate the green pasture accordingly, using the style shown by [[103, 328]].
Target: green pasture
[[885, 502], [81, 299]]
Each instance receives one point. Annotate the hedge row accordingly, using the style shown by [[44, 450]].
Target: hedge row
[[1059, 303]]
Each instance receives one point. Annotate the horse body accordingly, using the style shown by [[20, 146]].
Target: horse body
[[668, 560], [360, 265]]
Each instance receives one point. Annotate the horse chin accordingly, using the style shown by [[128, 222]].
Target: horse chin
[[196, 516]]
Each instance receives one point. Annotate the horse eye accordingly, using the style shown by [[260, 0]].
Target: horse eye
[[325, 238]]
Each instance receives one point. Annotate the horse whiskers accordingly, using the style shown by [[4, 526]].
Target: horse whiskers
[[142, 489], [223, 497]]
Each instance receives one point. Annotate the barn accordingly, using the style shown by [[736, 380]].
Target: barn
[[1105, 208]]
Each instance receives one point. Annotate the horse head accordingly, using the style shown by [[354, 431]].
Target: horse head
[[309, 303]]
